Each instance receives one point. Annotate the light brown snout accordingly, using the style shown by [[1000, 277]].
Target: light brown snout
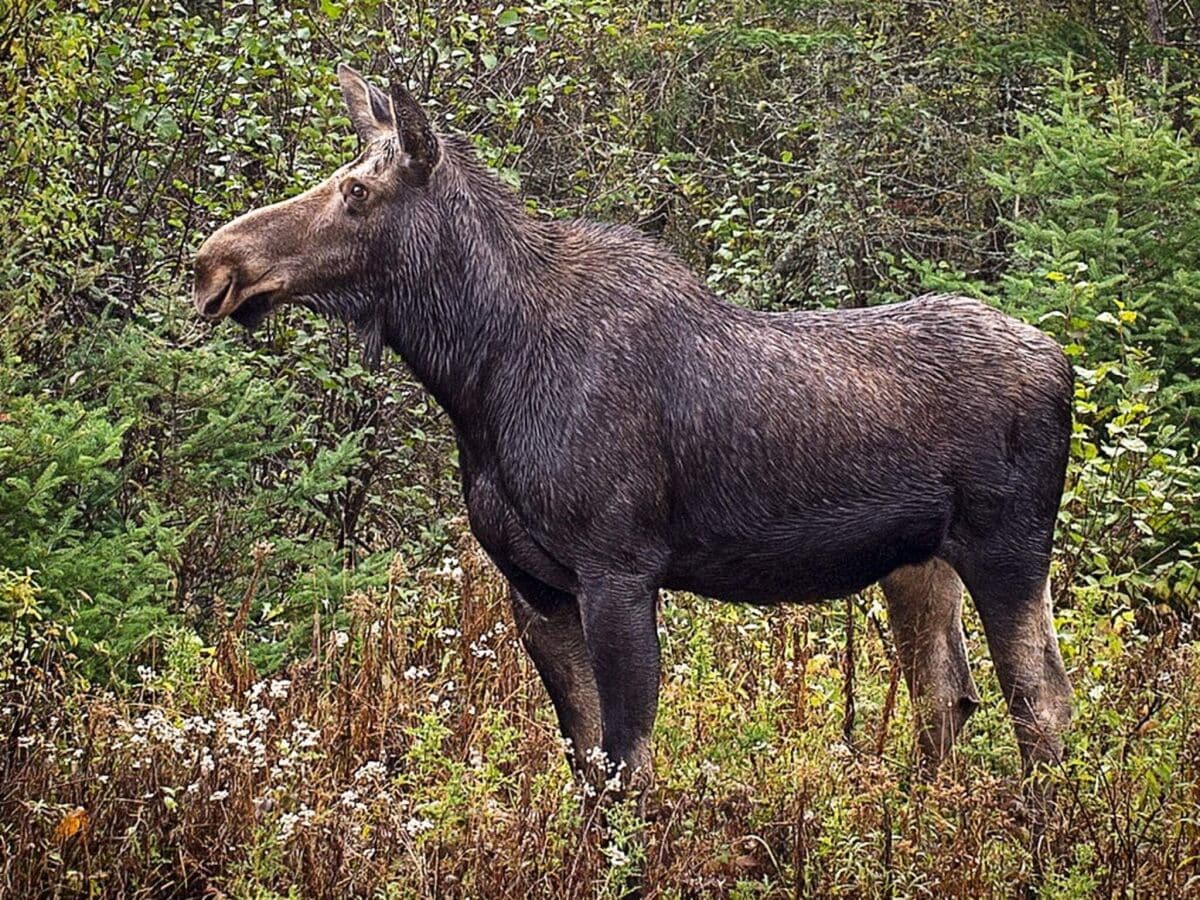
[[251, 265], [233, 268]]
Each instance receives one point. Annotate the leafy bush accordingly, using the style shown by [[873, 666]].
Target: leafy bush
[[61, 484], [1129, 536], [1104, 256]]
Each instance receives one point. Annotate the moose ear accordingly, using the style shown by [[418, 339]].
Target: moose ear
[[370, 109], [416, 135]]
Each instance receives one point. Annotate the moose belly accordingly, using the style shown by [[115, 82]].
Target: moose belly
[[810, 558]]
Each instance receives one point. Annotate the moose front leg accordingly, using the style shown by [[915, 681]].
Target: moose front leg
[[549, 626], [620, 627]]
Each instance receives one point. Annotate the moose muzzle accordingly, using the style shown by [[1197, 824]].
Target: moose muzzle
[[237, 275]]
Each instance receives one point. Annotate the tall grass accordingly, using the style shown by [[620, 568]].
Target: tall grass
[[413, 754]]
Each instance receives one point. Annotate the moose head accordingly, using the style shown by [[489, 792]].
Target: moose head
[[330, 246]]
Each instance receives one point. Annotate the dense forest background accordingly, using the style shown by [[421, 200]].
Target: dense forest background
[[245, 645]]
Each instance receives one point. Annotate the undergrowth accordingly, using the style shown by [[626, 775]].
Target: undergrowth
[[412, 752]]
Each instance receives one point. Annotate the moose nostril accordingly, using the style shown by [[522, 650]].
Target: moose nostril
[[212, 305]]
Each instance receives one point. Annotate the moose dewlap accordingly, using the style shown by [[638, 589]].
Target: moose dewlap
[[622, 430]]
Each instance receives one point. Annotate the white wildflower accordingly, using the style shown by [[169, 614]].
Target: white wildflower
[[198, 725], [416, 826], [304, 734], [450, 567], [372, 770], [616, 856], [288, 822], [482, 652], [260, 717], [258, 753]]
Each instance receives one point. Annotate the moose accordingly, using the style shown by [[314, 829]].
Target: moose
[[623, 430]]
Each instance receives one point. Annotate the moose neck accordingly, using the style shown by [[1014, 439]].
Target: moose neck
[[473, 301]]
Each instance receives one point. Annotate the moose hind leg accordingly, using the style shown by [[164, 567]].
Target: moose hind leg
[[550, 629], [1019, 625], [925, 612], [1025, 651]]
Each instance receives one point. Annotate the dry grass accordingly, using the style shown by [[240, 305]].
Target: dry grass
[[414, 754]]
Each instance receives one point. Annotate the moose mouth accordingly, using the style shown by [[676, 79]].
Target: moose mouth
[[249, 311]]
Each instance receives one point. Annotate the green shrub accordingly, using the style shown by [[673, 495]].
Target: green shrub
[[1129, 536], [59, 467], [1103, 196], [138, 496]]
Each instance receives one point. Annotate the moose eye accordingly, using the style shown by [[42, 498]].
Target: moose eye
[[358, 191]]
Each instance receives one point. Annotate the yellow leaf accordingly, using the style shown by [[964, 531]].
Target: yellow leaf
[[819, 664], [72, 823]]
